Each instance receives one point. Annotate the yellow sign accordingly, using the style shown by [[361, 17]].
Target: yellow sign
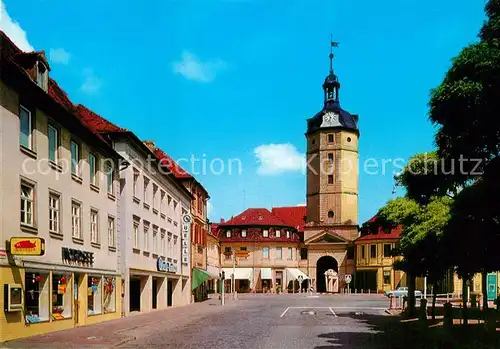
[[27, 246], [242, 254]]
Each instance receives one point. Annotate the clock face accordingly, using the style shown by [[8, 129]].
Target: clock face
[[330, 119]]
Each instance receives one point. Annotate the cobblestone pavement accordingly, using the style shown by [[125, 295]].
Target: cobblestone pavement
[[254, 321]]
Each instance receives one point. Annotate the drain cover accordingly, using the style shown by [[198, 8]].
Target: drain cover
[[308, 312]]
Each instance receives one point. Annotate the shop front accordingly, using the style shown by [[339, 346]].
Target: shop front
[[45, 297]]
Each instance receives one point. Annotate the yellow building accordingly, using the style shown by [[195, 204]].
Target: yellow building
[[56, 192], [213, 259]]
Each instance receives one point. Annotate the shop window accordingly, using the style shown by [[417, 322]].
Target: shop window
[[36, 297], [61, 296], [94, 290], [109, 295], [387, 277]]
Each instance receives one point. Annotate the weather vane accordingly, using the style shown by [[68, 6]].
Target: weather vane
[[332, 45]]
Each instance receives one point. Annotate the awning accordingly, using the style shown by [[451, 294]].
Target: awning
[[294, 273], [199, 277], [239, 273], [213, 272], [266, 274]]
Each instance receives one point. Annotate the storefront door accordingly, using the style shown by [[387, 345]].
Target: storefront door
[[155, 293], [76, 303], [169, 293]]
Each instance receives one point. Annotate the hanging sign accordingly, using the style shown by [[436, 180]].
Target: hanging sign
[[185, 229], [20, 246]]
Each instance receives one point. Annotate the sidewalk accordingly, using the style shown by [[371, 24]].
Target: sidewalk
[[110, 334]]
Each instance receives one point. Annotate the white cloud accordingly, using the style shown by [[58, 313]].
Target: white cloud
[[13, 30], [59, 55], [192, 68], [91, 83], [278, 158]]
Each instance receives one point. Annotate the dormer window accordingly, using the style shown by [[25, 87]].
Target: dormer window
[[244, 233], [265, 233], [278, 233], [42, 75], [228, 233], [288, 234]]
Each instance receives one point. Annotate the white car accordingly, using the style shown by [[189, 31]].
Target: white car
[[401, 292]]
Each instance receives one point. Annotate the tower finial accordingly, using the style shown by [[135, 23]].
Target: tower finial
[[332, 45]]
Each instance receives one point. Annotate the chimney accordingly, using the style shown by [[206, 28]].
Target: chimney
[[222, 220], [150, 145]]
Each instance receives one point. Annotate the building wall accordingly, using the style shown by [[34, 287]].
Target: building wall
[[149, 200], [199, 227], [213, 254], [34, 168]]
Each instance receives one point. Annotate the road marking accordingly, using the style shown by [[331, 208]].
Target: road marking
[[332, 312], [285, 312], [309, 307], [370, 308]]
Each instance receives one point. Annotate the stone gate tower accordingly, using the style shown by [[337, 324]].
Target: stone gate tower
[[332, 190]]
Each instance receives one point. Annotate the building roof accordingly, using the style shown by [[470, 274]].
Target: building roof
[[377, 232], [292, 216], [254, 217], [97, 122], [172, 166]]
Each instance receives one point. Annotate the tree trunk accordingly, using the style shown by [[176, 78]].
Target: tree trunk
[[484, 287], [465, 299], [434, 297], [411, 294]]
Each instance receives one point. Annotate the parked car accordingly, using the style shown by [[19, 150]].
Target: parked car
[[401, 292]]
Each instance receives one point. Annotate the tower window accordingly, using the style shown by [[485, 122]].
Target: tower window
[[330, 157], [313, 141], [330, 138], [348, 139], [330, 179], [331, 214]]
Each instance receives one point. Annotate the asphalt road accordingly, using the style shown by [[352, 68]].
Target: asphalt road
[[278, 321]]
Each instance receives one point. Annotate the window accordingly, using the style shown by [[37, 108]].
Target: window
[[290, 253], [76, 220], [155, 196], [94, 226], [373, 251], [36, 296], [61, 296], [330, 157], [288, 234], [278, 233], [265, 233], [169, 200], [175, 205], [303, 253], [330, 138], [387, 277], [162, 202], [155, 239], [350, 252], [109, 179], [169, 245], [136, 178], [54, 216], [111, 232], [109, 302], [363, 252], [27, 204], [228, 233], [53, 142], [26, 128], [243, 233], [75, 158], [136, 234], [387, 250], [41, 75], [279, 253], [162, 242], [331, 214], [146, 185], [146, 237], [330, 179], [94, 284], [93, 170], [227, 252], [265, 252]]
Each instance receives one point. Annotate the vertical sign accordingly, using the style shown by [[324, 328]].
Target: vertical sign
[[186, 227]]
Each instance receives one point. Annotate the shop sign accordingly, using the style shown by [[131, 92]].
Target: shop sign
[[21, 246], [186, 227], [163, 265], [72, 255]]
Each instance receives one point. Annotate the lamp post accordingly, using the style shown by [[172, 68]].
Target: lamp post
[[222, 276], [234, 272]]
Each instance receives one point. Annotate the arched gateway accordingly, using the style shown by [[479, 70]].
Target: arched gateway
[[327, 269]]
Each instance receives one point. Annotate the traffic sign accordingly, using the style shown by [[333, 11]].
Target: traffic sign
[[348, 278], [242, 254]]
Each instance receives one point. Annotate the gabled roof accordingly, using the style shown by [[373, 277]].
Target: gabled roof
[[377, 232], [96, 122], [255, 216], [326, 237], [292, 216]]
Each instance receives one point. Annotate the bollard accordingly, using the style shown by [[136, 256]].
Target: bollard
[[368, 291], [361, 291], [423, 312], [448, 317]]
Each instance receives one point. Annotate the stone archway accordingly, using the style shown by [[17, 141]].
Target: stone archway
[[327, 264]]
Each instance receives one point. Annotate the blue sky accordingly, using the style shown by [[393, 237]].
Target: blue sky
[[237, 79]]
